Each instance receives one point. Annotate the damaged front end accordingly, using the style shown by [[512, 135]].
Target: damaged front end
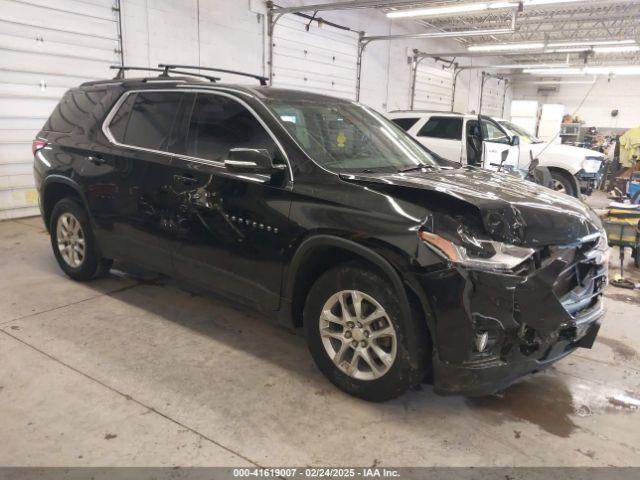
[[502, 311]]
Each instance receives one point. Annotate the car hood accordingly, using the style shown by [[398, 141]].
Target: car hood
[[512, 210], [570, 151]]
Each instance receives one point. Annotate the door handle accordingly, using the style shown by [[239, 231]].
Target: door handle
[[185, 180], [96, 160]]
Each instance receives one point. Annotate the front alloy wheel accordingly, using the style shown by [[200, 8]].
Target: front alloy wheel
[[358, 335]]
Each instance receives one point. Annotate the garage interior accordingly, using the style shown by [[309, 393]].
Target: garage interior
[[139, 370]]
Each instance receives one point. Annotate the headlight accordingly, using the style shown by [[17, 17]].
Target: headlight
[[481, 254], [591, 165]]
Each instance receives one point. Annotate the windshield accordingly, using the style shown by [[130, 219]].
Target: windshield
[[348, 137], [521, 132]]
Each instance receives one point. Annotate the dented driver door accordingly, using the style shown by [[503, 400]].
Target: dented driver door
[[231, 226]]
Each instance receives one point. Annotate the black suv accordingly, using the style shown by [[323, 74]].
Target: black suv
[[324, 215]]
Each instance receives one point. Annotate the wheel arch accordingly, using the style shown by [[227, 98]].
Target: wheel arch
[[310, 261], [569, 176], [55, 188]]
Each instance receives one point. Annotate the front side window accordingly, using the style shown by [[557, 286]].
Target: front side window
[[405, 123], [219, 124], [448, 128], [145, 119], [492, 133], [347, 137]]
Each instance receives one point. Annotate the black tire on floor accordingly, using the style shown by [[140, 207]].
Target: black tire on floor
[[566, 182], [412, 363], [93, 265]]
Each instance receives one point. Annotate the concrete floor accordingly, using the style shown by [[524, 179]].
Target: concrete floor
[[127, 372]]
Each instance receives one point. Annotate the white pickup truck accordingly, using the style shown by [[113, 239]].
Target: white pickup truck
[[462, 138]]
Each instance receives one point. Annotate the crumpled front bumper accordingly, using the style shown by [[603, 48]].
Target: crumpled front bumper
[[530, 321], [588, 181], [485, 378]]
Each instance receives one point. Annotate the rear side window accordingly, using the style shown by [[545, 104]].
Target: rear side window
[[449, 128], [405, 123], [75, 111], [219, 124], [118, 125], [145, 119]]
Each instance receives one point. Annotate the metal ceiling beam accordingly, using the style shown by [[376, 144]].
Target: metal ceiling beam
[[464, 54], [350, 5], [440, 34]]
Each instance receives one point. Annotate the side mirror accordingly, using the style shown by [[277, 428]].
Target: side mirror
[[515, 141], [252, 160]]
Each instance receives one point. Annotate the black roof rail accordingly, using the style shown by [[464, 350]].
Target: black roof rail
[[163, 73], [172, 68]]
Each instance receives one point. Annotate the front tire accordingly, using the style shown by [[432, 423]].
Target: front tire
[[73, 242], [560, 182], [359, 337]]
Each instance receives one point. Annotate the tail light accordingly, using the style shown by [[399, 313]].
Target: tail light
[[37, 145]]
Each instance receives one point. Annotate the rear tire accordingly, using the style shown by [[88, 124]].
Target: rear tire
[[560, 182], [73, 242], [375, 360]]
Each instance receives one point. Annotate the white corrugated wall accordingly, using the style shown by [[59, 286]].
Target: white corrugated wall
[[493, 92], [433, 88], [46, 47], [322, 60]]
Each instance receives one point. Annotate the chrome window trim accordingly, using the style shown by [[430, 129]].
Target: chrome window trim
[[107, 133]]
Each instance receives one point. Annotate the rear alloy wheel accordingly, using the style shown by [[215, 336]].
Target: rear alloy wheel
[[360, 336], [562, 184], [73, 242]]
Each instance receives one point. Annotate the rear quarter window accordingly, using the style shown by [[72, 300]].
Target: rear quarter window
[[145, 119], [78, 111], [405, 123], [449, 128]]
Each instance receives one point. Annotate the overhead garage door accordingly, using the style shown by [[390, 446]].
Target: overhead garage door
[[493, 97], [433, 88], [46, 47], [322, 60]]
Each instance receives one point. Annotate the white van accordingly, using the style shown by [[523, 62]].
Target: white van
[[463, 138]]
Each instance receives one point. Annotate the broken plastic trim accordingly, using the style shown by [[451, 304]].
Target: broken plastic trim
[[490, 255]]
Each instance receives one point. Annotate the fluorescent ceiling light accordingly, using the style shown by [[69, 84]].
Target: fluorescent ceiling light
[[427, 12], [568, 50], [605, 70], [553, 71], [533, 65], [565, 82], [469, 8], [505, 46], [547, 2], [622, 48], [497, 5], [588, 43]]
